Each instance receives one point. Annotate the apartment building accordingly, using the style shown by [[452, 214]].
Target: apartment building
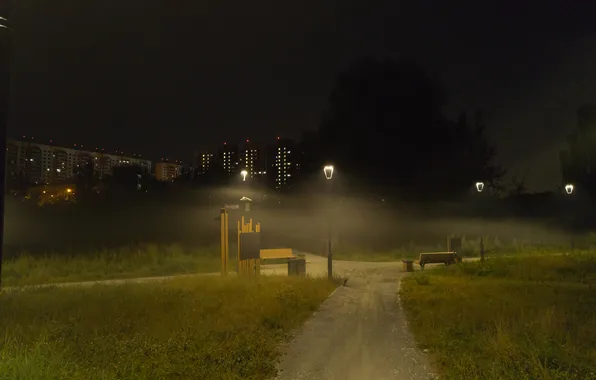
[[253, 159], [48, 164], [167, 171], [284, 163], [227, 157]]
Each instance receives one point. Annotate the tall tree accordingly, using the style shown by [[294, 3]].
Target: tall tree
[[578, 161], [385, 130]]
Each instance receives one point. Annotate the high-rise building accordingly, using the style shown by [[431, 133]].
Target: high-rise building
[[284, 165], [48, 164], [205, 162], [227, 158], [253, 159]]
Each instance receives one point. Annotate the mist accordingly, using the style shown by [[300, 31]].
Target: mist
[[303, 222]]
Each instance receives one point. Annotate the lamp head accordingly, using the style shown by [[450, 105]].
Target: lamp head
[[328, 171], [569, 189], [479, 186]]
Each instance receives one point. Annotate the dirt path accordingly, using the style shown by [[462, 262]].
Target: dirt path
[[359, 333]]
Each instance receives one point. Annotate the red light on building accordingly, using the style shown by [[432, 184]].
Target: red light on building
[[278, 137], [247, 140]]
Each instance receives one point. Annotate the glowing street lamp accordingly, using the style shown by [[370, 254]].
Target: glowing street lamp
[[328, 171], [244, 173], [479, 188], [569, 189]]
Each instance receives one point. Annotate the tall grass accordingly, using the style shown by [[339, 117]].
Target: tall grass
[[127, 262], [512, 318], [191, 328]]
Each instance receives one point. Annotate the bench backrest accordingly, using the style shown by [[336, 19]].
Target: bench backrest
[[436, 255], [277, 253]]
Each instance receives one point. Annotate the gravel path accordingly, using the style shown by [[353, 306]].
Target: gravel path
[[359, 333]]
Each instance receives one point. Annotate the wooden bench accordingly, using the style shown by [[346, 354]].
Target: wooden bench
[[447, 258], [277, 254]]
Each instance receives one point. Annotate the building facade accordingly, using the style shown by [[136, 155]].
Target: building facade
[[49, 164], [253, 159], [205, 163], [284, 163], [227, 157], [167, 171]]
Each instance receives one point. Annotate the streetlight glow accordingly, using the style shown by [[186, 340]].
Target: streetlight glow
[[244, 173], [328, 171], [569, 189], [480, 186]]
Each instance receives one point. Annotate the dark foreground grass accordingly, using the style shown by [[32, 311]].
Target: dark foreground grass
[[522, 318], [199, 328], [127, 262]]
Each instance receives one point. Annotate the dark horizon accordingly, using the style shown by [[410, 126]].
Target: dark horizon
[[185, 79]]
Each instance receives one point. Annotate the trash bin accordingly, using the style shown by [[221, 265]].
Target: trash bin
[[408, 265], [297, 267]]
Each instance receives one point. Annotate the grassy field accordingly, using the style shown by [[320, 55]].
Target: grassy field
[[520, 318], [192, 328], [127, 262]]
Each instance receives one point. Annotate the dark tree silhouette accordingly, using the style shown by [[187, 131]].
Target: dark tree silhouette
[[85, 176], [128, 177], [385, 131], [578, 161]]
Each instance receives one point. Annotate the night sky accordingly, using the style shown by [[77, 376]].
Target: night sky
[[166, 78]]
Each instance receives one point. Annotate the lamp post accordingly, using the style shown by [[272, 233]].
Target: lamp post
[[244, 173], [5, 69], [479, 188], [569, 189], [328, 171]]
